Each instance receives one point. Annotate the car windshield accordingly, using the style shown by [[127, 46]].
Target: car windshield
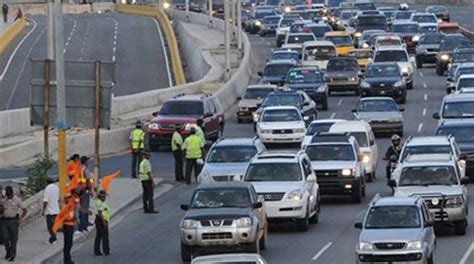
[[381, 217], [282, 99], [452, 43], [263, 13], [340, 40], [437, 9], [427, 175], [465, 83], [361, 138], [271, 20], [429, 149], [304, 76], [346, 15], [463, 71], [286, 56], [286, 22], [256, 93], [221, 198], [296, 27], [342, 65], [382, 71], [402, 15], [431, 39], [283, 115], [405, 28], [300, 38], [319, 31], [184, 107], [318, 127], [225, 154], [388, 14], [377, 106], [365, 6], [371, 21], [460, 57], [277, 70], [273, 172], [389, 42], [314, 53], [428, 29], [391, 56], [361, 54], [460, 133], [425, 19], [459, 109], [322, 152]]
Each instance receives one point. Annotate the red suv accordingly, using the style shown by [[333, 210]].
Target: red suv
[[183, 111]]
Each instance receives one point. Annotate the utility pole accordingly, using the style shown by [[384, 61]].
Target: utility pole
[[239, 26], [210, 13], [227, 38], [233, 17], [46, 93], [60, 95], [186, 8], [50, 39]]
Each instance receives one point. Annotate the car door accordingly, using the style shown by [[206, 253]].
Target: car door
[[310, 186], [428, 231], [211, 121], [259, 212], [306, 108], [373, 147]]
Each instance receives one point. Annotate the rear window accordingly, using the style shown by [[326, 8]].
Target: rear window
[[342, 65], [425, 19], [299, 38], [319, 31], [256, 93], [176, 107], [340, 40], [391, 56], [277, 70], [405, 28], [329, 152], [429, 149]]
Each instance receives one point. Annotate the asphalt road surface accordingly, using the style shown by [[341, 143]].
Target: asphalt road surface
[[133, 43]]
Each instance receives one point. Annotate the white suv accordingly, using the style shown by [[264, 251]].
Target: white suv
[[281, 124], [287, 183]]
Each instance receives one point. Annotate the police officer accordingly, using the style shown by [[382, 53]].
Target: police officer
[[11, 221], [393, 150], [137, 143], [194, 150], [102, 220], [148, 184], [200, 130], [176, 148]]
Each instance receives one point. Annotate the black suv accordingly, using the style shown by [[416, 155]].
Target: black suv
[[309, 79], [446, 49], [427, 48], [384, 79], [275, 71]]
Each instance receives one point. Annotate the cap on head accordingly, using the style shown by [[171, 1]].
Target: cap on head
[[138, 124], [75, 156], [192, 130], [146, 153], [84, 159]]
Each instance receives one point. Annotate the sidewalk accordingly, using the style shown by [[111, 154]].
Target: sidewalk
[[33, 246], [3, 25]]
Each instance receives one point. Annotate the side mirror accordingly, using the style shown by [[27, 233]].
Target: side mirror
[[465, 180], [358, 225], [392, 183], [154, 114], [354, 110], [436, 116], [257, 205], [429, 223], [401, 109], [260, 73], [184, 207], [311, 178], [239, 98]]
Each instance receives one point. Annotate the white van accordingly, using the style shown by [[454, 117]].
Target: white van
[[365, 137]]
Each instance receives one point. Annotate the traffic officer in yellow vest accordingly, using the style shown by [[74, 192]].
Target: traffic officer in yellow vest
[[102, 220], [194, 150], [148, 184], [176, 148], [200, 131], [137, 144]]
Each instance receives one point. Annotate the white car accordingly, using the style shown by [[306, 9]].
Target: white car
[[384, 41], [317, 126], [465, 81], [287, 183], [230, 258], [400, 56], [281, 124], [362, 132]]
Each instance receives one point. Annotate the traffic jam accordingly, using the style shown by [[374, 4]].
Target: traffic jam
[[299, 154]]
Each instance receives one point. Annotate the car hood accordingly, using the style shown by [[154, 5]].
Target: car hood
[[391, 80], [250, 102], [217, 213], [274, 187], [174, 119], [391, 235], [332, 165], [227, 168], [430, 190], [377, 115], [281, 125], [304, 85], [342, 74]]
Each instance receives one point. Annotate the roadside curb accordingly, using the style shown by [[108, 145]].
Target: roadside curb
[[119, 213], [11, 33]]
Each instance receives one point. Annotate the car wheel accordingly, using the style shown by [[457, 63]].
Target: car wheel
[[254, 247], [402, 99], [303, 224], [460, 227], [357, 193], [369, 177], [419, 63], [186, 252], [431, 259], [239, 120], [315, 218], [263, 240], [439, 71], [325, 105]]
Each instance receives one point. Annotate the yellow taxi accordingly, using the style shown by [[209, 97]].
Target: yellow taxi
[[342, 40], [362, 56]]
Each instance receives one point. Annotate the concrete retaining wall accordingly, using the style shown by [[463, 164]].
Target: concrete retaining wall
[[430, 2], [187, 44]]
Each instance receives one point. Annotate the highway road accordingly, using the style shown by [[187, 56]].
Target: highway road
[[133, 43]]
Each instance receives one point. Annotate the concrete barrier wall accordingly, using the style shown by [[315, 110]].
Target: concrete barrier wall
[[11, 33], [430, 2], [187, 44], [14, 122]]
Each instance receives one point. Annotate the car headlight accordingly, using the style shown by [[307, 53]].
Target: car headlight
[[346, 172], [204, 176], [398, 84], [338, 22], [352, 79], [414, 245], [244, 222], [415, 38], [265, 131], [444, 57], [365, 159], [357, 34], [440, 20], [365, 85], [256, 116], [454, 201], [153, 126], [258, 23], [295, 195], [365, 246], [325, 18], [405, 70], [322, 88], [299, 130], [189, 224], [365, 45], [287, 9]]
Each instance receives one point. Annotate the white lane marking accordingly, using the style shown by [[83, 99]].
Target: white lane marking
[[113, 49], [271, 49], [340, 102], [86, 37], [426, 97], [113, 58], [424, 111], [421, 74], [467, 254], [17, 48], [70, 35], [321, 252], [420, 126], [164, 53], [332, 115]]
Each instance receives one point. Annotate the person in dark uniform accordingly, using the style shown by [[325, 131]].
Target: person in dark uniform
[[148, 184], [102, 219], [393, 150], [5, 12], [12, 205], [177, 149]]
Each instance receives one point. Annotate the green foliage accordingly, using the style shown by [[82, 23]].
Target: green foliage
[[38, 173]]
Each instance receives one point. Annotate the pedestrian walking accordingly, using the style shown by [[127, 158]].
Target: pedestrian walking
[[194, 150], [5, 12], [68, 228], [137, 144], [12, 218], [102, 220], [86, 190], [177, 149], [148, 184], [51, 207]]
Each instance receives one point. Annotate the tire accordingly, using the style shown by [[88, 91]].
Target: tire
[[253, 247], [419, 63], [303, 224], [357, 196], [402, 100], [370, 177], [325, 105], [239, 120], [263, 240], [439, 71], [186, 252], [315, 218], [431, 259], [460, 227]]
